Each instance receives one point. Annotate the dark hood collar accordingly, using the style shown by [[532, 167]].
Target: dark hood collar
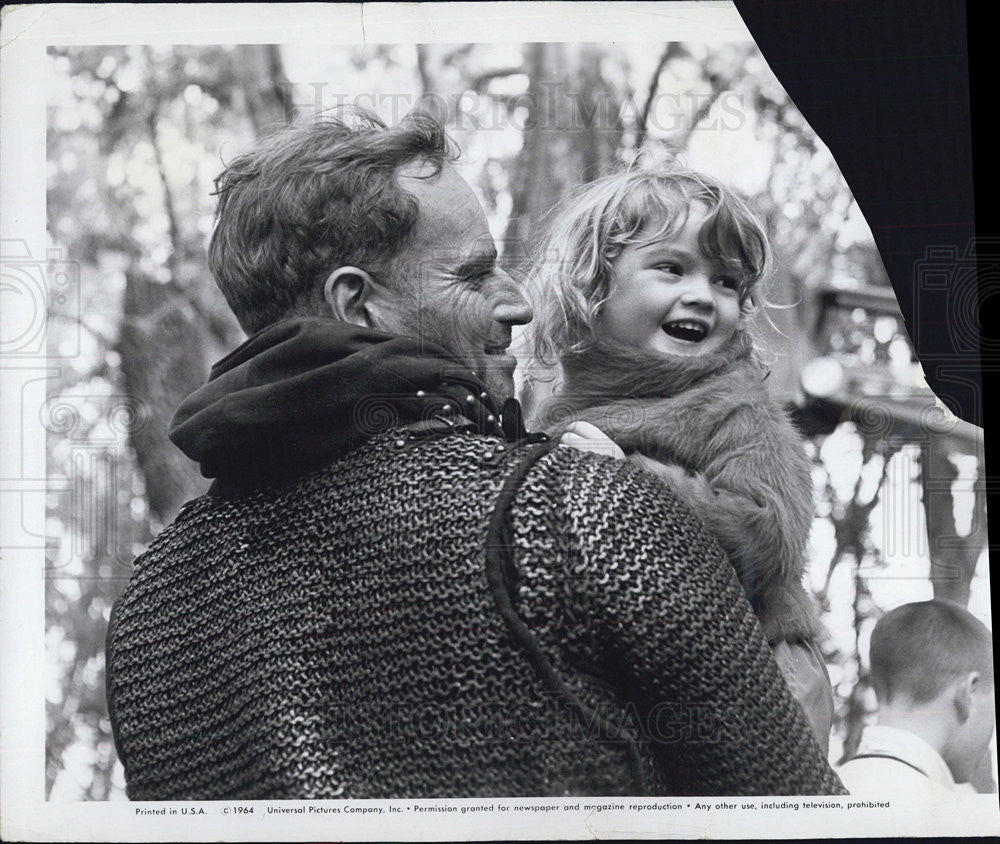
[[305, 391]]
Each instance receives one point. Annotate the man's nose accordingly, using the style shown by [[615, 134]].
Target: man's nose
[[510, 306]]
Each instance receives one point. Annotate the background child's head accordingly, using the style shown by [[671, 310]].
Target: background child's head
[[663, 259], [932, 671]]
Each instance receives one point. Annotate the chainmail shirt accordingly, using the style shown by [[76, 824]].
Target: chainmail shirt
[[337, 635]]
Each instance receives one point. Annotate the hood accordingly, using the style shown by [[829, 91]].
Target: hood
[[305, 391]]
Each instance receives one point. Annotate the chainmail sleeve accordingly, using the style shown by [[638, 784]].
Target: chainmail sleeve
[[623, 586]]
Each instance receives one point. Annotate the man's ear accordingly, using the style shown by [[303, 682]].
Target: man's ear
[[347, 291], [966, 687]]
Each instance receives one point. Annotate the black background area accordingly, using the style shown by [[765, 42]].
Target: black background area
[[886, 85]]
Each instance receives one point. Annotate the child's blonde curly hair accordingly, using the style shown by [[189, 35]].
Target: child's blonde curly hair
[[590, 228]]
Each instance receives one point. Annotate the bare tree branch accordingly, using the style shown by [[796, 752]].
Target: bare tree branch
[[672, 51], [480, 82], [176, 246], [685, 134], [426, 82], [97, 334], [459, 52], [851, 529]]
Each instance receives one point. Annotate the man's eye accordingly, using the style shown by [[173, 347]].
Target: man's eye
[[478, 277]]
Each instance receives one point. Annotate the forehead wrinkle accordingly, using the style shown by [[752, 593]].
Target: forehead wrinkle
[[450, 213], [459, 255]]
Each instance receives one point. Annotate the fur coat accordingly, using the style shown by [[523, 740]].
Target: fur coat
[[718, 439]]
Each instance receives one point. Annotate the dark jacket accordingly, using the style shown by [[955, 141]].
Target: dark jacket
[[367, 626]]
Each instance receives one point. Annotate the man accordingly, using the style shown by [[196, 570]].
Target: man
[[932, 671], [386, 593]]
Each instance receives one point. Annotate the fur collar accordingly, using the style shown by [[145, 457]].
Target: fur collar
[[620, 385], [746, 474], [607, 370]]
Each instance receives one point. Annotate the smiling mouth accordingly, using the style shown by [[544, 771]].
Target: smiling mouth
[[686, 330]]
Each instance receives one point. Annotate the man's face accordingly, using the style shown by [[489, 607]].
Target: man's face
[[454, 294]]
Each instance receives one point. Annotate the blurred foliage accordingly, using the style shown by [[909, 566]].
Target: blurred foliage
[[136, 136]]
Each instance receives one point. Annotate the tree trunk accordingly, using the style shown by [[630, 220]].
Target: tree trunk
[[572, 135], [854, 719], [162, 358], [953, 557], [167, 335], [267, 90]]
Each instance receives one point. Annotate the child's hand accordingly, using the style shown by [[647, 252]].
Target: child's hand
[[674, 475], [587, 437]]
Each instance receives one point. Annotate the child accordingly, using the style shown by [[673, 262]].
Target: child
[[932, 671], [645, 292]]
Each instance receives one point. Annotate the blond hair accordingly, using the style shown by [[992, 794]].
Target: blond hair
[[594, 224]]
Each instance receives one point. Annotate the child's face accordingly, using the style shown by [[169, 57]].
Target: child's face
[[668, 297]]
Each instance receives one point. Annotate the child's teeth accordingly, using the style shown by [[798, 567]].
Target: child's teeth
[[695, 330]]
